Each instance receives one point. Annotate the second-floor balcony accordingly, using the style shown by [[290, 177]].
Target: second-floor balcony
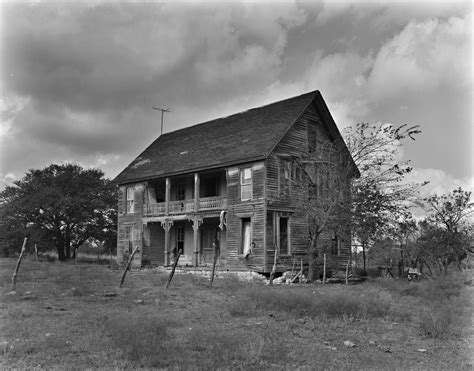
[[185, 206]]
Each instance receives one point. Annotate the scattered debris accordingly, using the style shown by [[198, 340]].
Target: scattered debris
[[110, 294], [371, 342], [349, 344], [421, 350], [139, 301], [47, 334], [12, 292]]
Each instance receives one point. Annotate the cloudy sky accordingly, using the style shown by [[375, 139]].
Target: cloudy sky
[[79, 80]]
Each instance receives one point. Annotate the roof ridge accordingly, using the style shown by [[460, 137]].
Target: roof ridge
[[237, 113]]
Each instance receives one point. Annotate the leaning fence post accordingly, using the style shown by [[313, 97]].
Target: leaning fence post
[[170, 277], [273, 272], [128, 265], [23, 248]]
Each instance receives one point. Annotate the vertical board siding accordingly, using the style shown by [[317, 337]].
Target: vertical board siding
[[297, 143], [130, 219], [253, 209]]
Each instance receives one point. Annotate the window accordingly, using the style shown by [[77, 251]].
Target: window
[[246, 184], [283, 236], [180, 239], [129, 238], [246, 236], [284, 177], [130, 200]]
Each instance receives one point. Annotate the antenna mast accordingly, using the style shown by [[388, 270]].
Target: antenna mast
[[163, 110]]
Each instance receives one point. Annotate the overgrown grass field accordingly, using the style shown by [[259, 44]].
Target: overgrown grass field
[[66, 316]]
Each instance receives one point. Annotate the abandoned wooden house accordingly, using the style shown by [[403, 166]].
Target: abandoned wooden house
[[233, 180]]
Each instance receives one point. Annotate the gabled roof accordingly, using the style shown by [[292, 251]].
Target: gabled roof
[[242, 137]]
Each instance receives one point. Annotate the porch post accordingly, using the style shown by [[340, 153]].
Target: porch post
[[167, 196], [196, 223], [167, 226], [196, 192]]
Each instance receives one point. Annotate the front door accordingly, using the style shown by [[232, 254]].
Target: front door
[[208, 234]]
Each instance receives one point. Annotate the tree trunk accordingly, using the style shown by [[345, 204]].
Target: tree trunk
[[363, 257], [67, 243], [312, 257], [60, 250]]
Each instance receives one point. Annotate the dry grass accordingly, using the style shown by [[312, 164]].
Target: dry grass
[[65, 316]]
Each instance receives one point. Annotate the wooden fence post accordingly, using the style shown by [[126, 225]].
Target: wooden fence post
[[170, 277], [215, 250], [15, 273], [272, 274], [347, 272], [324, 269], [128, 265], [36, 253]]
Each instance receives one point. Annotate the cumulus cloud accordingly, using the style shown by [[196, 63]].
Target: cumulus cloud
[[425, 56], [79, 80]]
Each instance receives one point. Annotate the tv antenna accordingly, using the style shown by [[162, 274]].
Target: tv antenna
[[163, 110]]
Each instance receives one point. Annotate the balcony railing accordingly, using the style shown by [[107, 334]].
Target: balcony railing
[[185, 206]]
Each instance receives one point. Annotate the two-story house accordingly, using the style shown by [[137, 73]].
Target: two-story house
[[232, 180]]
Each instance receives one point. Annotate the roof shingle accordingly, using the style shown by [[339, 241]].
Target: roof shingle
[[242, 137]]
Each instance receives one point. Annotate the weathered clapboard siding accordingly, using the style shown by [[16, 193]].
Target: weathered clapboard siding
[[153, 244], [237, 210], [133, 220], [305, 140]]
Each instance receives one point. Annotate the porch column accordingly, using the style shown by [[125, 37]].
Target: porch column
[[196, 223], [196, 192], [167, 196], [167, 224]]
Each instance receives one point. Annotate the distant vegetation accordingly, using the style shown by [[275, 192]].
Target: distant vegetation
[[61, 207]]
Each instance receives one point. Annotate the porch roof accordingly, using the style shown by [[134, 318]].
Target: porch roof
[[243, 137]]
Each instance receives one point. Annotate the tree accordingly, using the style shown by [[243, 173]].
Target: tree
[[447, 230], [376, 198], [380, 197], [64, 204], [325, 180]]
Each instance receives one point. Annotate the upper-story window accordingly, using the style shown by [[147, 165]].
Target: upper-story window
[[246, 184], [130, 200]]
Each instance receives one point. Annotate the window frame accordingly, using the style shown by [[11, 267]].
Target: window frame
[[246, 184], [129, 200], [243, 220], [288, 235]]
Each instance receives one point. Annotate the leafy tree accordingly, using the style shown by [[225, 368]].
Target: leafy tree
[[64, 204], [375, 200], [380, 197], [325, 179], [447, 231]]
